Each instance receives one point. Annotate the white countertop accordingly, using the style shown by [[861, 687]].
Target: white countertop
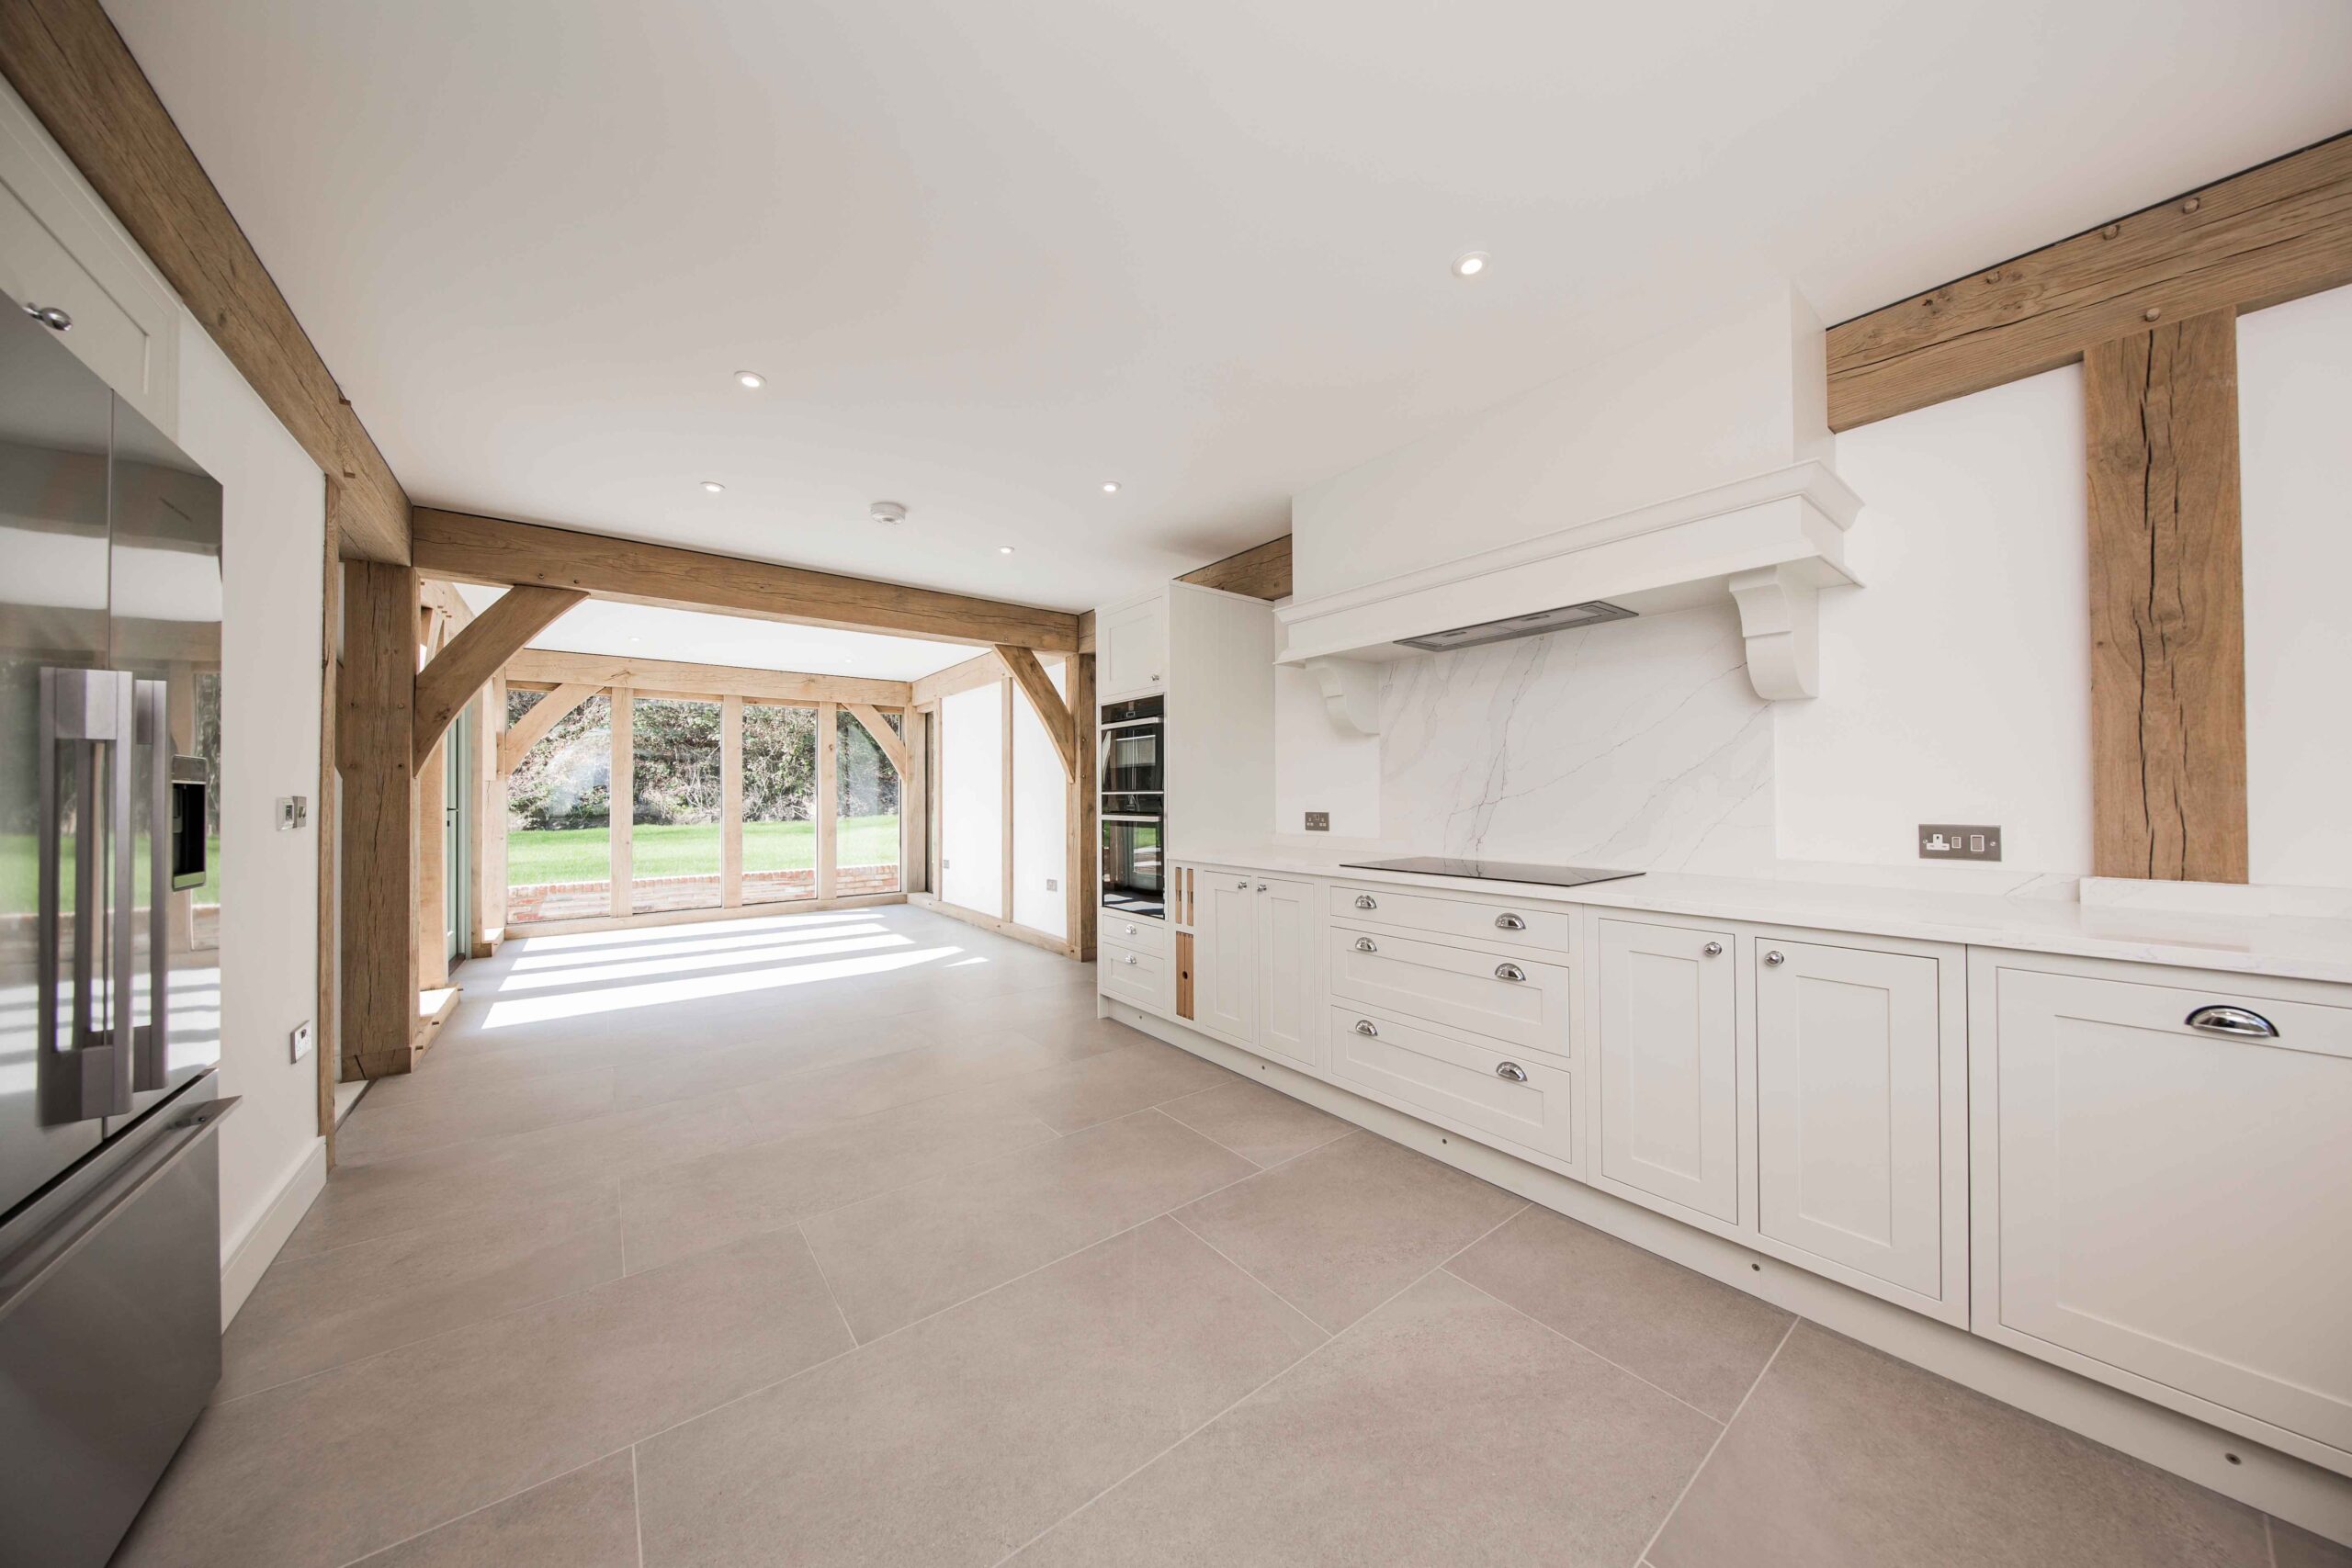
[[2290, 946]]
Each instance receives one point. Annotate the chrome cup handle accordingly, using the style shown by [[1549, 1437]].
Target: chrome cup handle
[[1365, 944], [1510, 972], [1510, 1070], [1510, 923], [2241, 1021], [1363, 1026], [1366, 901]]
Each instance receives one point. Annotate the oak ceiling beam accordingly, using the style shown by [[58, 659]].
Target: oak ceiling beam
[[66, 60], [2269, 236], [488, 549], [884, 735], [543, 715], [547, 667], [986, 670], [1262, 572], [1030, 677], [482, 646]]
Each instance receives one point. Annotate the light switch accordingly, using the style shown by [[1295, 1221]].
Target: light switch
[[299, 1042], [1959, 840]]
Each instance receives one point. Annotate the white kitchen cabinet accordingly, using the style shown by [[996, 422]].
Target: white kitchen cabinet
[[1255, 951], [1668, 1060], [1140, 979], [1516, 999], [1131, 649], [1861, 1113], [1496, 1096], [1471, 921], [2166, 1204], [1225, 956]]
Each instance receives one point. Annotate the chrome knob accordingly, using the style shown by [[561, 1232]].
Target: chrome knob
[[1511, 922], [1510, 972], [1130, 958], [1365, 944], [1510, 1070], [49, 316], [1363, 1026], [2241, 1021], [1261, 887], [1776, 958], [1714, 949], [1366, 901], [1131, 928], [1243, 885]]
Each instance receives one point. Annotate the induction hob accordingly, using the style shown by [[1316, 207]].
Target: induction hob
[[1493, 870]]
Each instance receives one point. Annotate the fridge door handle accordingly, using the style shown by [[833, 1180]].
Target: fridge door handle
[[150, 1047], [91, 712]]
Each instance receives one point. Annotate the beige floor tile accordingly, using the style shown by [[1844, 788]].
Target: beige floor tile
[[1844, 1458], [1117, 1083], [708, 1203], [326, 1470], [898, 1257], [955, 1441], [313, 1313], [585, 1519], [1444, 1429], [1692, 1337], [385, 1128], [2294, 1547], [1340, 1230], [1260, 1125], [804, 1101]]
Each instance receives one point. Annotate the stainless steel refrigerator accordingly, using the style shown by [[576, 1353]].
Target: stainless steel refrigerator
[[110, 873]]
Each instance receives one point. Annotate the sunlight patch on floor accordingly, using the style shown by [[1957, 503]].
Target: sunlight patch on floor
[[599, 973], [661, 993]]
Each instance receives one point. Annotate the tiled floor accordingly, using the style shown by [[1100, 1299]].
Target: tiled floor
[[858, 1238]]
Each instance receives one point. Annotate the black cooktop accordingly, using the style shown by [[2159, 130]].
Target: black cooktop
[[1494, 870]]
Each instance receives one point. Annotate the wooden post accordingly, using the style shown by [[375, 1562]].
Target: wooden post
[[1005, 729], [1079, 888], [432, 865], [730, 810], [2168, 603], [323, 817], [376, 736], [828, 794], [621, 797], [914, 807], [490, 822]]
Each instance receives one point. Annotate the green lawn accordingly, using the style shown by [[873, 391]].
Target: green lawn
[[20, 871], [584, 854]]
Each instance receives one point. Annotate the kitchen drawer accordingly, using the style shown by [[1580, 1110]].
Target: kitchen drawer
[[1131, 976], [1136, 935], [1487, 1093], [1541, 926], [1454, 987]]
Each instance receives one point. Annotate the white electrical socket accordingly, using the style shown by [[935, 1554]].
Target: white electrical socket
[[299, 1042]]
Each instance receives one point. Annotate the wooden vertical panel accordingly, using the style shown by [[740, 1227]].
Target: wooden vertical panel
[[1184, 974], [2167, 604], [914, 805], [432, 867], [329, 977], [375, 740], [489, 872], [622, 795], [828, 749], [730, 798], [1006, 878], [1079, 888]]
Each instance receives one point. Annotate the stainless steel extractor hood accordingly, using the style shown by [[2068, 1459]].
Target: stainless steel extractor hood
[[1590, 612]]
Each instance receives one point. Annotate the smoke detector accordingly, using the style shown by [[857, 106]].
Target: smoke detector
[[887, 511]]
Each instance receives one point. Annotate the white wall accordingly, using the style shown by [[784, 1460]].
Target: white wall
[[971, 799], [2295, 429], [1040, 819], [274, 520], [1955, 683], [1318, 767]]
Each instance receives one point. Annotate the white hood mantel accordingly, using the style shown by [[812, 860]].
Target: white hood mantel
[[1551, 499], [1770, 542]]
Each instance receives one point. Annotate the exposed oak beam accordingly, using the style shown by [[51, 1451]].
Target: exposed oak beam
[[1052, 712], [2167, 604], [1262, 572], [533, 727], [375, 738], [545, 667], [468, 659], [487, 549], [986, 670], [2259, 238], [66, 60], [884, 735]]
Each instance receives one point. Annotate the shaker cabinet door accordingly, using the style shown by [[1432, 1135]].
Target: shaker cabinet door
[[1668, 1058], [1225, 958], [1289, 1020]]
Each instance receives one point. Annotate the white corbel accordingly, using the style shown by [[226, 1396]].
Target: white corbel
[[1350, 689], [1779, 617]]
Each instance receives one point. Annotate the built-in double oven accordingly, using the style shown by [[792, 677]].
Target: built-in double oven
[[1134, 813]]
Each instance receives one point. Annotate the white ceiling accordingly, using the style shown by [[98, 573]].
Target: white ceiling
[[690, 636], [989, 255]]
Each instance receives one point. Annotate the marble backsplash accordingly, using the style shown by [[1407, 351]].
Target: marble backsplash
[[1634, 743]]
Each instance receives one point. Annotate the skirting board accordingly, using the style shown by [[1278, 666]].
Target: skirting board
[[2299, 1493], [996, 923], [249, 1257], [695, 917]]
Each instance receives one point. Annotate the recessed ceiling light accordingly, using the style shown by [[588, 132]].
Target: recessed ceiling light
[[1004, 550], [1470, 264], [887, 511], [1110, 487], [751, 380], [713, 486]]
